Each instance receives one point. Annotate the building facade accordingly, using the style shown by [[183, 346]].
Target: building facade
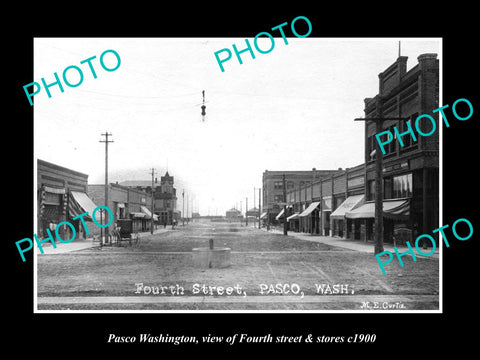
[[410, 174], [233, 215], [342, 204], [125, 203], [319, 208], [165, 197], [61, 194], [273, 192]]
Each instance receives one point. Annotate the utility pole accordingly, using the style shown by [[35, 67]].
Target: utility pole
[[259, 207], [153, 194], [284, 207], [254, 205], [183, 207], [246, 211], [187, 208], [106, 141], [378, 247]]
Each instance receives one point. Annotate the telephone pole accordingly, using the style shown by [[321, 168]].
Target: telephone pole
[[183, 207], [259, 208], [254, 205], [246, 211], [153, 193], [106, 141], [378, 248]]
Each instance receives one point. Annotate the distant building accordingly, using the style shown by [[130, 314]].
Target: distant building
[[272, 188], [233, 214], [319, 207], [253, 212], [165, 196], [125, 203]]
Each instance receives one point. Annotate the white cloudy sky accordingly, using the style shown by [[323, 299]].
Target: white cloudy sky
[[291, 109]]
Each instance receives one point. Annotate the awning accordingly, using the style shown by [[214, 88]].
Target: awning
[[293, 217], [263, 215], [148, 213], [137, 215], [280, 214], [80, 203], [309, 209], [397, 209], [348, 205], [121, 205]]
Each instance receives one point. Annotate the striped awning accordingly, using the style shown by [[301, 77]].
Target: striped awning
[[310, 208], [148, 213], [263, 215], [349, 204], [80, 203], [396, 209]]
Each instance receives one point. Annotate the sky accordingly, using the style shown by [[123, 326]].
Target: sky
[[290, 109]]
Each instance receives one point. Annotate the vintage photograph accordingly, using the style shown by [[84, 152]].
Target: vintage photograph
[[237, 175]]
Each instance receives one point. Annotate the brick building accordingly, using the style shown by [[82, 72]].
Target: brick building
[[125, 203], [272, 188], [410, 173], [165, 196], [319, 207], [61, 195], [342, 203]]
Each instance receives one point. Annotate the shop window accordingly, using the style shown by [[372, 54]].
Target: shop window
[[402, 186]]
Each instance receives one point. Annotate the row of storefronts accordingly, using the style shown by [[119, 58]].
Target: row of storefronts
[[63, 194], [343, 204]]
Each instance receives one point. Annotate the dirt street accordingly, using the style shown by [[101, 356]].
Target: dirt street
[[268, 272]]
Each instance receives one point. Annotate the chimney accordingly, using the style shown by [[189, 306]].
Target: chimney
[[427, 60]]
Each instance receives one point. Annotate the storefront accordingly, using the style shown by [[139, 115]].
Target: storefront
[[344, 227], [55, 186], [326, 211], [52, 208], [139, 223], [396, 214], [79, 203], [294, 223], [311, 217]]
